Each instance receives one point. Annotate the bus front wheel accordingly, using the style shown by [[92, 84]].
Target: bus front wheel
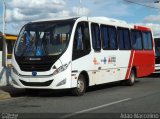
[[81, 86]]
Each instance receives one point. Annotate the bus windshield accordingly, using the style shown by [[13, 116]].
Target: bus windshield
[[43, 39]]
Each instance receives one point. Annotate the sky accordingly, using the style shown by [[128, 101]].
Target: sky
[[20, 12]]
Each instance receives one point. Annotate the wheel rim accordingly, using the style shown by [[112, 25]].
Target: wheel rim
[[80, 85]]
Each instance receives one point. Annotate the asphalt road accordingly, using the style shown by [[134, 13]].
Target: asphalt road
[[110, 100]]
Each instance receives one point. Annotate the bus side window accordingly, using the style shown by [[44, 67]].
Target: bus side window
[[96, 40], [105, 37], [81, 44], [112, 36], [127, 40], [147, 40], [120, 38], [78, 44], [123, 38], [86, 38], [136, 39], [150, 44]]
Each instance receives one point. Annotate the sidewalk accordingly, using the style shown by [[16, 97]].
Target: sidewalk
[[7, 92]]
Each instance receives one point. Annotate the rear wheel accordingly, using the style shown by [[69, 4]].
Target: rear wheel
[[132, 78], [81, 86]]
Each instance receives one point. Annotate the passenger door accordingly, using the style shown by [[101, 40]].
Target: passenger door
[[82, 56]]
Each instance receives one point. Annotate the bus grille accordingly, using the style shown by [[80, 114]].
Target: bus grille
[[47, 83], [41, 65], [35, 66]]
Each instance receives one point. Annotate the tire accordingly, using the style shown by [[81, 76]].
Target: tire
[[132, 79], [81, 86]]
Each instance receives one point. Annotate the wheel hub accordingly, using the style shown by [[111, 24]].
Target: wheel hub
[[80, 85]]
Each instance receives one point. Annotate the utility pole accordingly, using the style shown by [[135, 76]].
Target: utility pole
[[4, 56], [80, 7], [4, 16]]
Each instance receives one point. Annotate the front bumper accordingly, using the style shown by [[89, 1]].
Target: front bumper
[[62, 81]]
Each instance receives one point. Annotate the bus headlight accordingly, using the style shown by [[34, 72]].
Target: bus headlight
[[15, 71], [61, 68]]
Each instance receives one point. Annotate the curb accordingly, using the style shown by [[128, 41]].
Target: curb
[[4, 95], [8, 92]]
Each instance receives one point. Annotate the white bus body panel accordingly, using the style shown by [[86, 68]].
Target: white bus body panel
[[103, 72]]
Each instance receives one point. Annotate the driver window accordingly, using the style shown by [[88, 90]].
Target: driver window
[[81, 44], [82, 39]]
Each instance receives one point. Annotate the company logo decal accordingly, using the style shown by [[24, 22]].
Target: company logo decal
[[95, 61], [104, 60], [108, 60], [34, 73], [34, 59], [112, 60]]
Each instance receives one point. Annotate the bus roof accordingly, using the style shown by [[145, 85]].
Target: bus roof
[[108, 19], [74, 18], [101, 20], [56, 19]]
